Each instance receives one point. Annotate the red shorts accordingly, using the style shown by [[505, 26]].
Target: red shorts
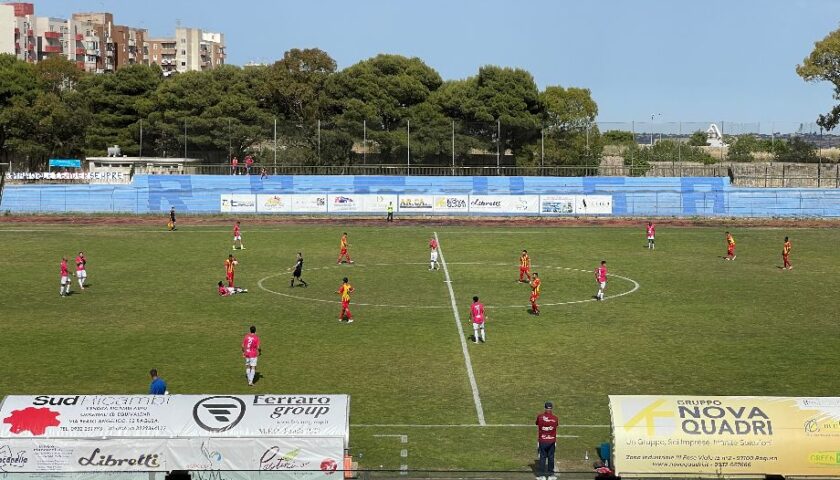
[[730, 250], [343, 251], [534, 298], [524, 269], [345, 304]]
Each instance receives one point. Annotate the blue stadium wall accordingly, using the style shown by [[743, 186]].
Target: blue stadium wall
[[685, 196]]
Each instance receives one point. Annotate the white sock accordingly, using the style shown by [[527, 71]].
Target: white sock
[[483, 339], [431, 265], [475, 331], [247, 372], [81, 285]]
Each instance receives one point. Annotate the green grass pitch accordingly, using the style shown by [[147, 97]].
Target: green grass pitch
[[696, 325]]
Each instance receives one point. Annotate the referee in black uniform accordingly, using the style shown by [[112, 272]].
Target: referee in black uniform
[[298, 270]]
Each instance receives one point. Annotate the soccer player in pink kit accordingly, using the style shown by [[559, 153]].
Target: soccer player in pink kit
[[237, 237], [477, 316], [64, 290], [601, 278], [651, 236], [251, 350], [81, 273]]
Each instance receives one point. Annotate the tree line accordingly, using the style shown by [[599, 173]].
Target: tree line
[[52, 109]]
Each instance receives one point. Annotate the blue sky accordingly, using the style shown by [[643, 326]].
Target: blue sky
[[698, 60]]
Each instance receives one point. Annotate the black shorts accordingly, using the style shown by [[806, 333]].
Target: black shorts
[[296, 273]]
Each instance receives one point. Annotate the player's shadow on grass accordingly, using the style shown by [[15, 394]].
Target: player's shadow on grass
[[257, 377]]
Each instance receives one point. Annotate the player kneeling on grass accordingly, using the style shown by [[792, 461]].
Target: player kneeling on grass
[[228, 291], [477, 316]]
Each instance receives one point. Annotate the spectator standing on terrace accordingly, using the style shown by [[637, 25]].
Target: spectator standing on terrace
[[158, 385], [249, 162], [263, 173], [234, 164], [547, 441]]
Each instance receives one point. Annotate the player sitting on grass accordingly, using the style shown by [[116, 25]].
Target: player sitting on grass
[[228, 291]]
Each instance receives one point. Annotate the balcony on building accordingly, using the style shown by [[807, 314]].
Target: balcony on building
[[92, 52], [80, 51], [80, 65], [52, 35], [79, 37], [30, 33], [52, 49]]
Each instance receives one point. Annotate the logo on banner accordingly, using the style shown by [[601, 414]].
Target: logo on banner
[[274, 201], [418, 202], [341, 200], [450, 203], [219, 413], [329, 466], [11, 458], [34, 420], [149, 460], [273, 459]]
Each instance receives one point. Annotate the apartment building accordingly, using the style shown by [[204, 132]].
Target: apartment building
[[96, 44]]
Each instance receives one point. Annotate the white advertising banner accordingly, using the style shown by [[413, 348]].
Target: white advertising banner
[[80, 433], [345, 203], [309, 203], [277, 203], [593, 204], [451, 203], [515, 204], [29, 455], [416, 203], [576, 204], [238, 203], [378, 203], [97, 416], [557, 204]]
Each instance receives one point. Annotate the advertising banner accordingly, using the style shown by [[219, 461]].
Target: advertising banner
[[345, 203], [379, 203], [719, 436], [97, 416], [277, 203], [557, 204], [159, 455], [507, 204], [82, 433], [451, 203], [102, 177], [416, 203], [238, 203], [593, 204], [309, 203]]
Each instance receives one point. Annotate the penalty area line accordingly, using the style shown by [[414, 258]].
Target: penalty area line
[[479, 410]]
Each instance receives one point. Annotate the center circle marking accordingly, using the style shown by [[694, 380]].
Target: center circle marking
[[635, 288]]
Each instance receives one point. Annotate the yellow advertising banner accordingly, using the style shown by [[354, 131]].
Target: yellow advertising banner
[[716, 436]]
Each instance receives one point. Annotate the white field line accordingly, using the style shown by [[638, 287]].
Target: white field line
[[479, 410]]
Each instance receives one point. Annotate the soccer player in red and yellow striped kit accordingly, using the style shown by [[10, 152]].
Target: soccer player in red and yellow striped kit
[[536, 283], [345, 290], [786, 254], [524, 267], [342, 252]]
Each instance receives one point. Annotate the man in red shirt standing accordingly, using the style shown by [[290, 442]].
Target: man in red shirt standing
[[251, 350], [237, 236], [433, 258], [65, 278], [651, 236], [601, 278], [547, 439], [477, 316]]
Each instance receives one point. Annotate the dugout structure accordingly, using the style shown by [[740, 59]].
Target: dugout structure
[[147, 436]]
